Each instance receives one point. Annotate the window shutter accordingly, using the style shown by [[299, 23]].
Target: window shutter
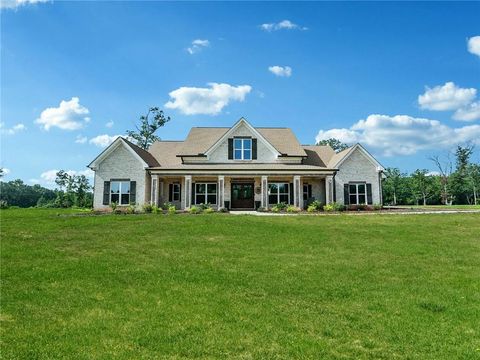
[[369, 194], [193, 193], [290, 187], [346, 198], [180, 192], [106, 192], [170, 192], [254, 149], [230, 149], [309, 192], [133, 192]]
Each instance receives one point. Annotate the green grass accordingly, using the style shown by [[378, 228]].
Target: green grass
[[221, 286]]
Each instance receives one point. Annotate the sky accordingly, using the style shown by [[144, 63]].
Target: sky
[[403, 79]]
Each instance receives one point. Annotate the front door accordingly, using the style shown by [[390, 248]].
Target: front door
[[242, 196]]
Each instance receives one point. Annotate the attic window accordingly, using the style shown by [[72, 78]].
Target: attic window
[[242, 149]]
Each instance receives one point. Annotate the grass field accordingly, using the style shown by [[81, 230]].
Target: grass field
[[222, 286]]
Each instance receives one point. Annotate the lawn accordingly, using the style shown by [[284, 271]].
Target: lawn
[[222, 286]]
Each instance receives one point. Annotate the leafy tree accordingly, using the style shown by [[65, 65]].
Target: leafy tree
[[17, 193], [473, 177], [424, 186], [144, 135], [335, 144], [392, 184], [445, 168], [459, 184], [76, 189]]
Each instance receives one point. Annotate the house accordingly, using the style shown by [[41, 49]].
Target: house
[[241, 167]]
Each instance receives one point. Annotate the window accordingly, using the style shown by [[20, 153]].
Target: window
[[175, 192], [205, 193], [120, 192], [307, 191], [278, 193], [357, 194], [242, 149]]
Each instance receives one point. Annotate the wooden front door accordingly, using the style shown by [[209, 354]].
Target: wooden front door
[[242, 196]]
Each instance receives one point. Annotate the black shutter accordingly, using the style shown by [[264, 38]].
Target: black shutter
[[230, 149], [193, 194], [254, 149], [179, 192], [369, 194], [106, 192], [346, 198], [290, 186], [309, 192], [170, 192], [133, 192]]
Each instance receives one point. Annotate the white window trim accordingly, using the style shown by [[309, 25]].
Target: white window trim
[[206, 192], [357, 195], [177, 185], [120, 191], [279, 193], [242, 148]]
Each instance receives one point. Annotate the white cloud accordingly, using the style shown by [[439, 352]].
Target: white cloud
[[103, 140], [81, 139], [474, 45], [109, 124], [13, 130], [469, 113], [209, 101], [6, 171], [70, 115], [446, 97], [48, 177], [285, 71], [197, 45], [402, 134], [14, 4], [282, 25]]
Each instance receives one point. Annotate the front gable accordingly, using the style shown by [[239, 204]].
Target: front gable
[[117, 151], [219, 151]]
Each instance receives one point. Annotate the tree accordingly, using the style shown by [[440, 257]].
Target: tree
[[2, 172], [76, 190], [473, 177], [144, 135], [424, 186], [445, 168], [459, 185], [392, 184], [335, 144]]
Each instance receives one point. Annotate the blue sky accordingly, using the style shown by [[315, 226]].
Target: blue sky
[[401, 78]]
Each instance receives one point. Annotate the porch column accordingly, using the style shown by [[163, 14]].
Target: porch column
[[297, 194], [328, 189], [221, 191], [161, 196], [187, 185], [264, 186], [154, 190]]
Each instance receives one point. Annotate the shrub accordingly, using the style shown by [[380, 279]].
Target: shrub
[[203, 207], [315, 206], [155, 209], [131, 209], [147, 208], [113, 206], [282, 206], [311, 208], [167, 205], [194, 210], [377, 206], [208, 210], [328, 208], [261, 209], [223, 210], [275, 209], [292, 209], [338, 207], [172, 210], [3, 204]]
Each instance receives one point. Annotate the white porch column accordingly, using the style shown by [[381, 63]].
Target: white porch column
[[187, 183], [328, 189], [221, 191], [160, 191], [154, 190], [264, 186], [297, 194]]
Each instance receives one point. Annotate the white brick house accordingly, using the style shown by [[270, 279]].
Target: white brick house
[[241, 167]]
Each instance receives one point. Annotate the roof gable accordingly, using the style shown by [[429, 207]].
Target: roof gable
[[338, 159], [235, 127], [142, 155]]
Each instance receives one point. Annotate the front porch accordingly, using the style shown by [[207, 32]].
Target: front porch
[[240, 192]]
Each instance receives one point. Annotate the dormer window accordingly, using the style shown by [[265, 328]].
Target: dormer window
[[242, 149]]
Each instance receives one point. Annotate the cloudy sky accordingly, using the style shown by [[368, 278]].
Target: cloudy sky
[[401, 78]]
